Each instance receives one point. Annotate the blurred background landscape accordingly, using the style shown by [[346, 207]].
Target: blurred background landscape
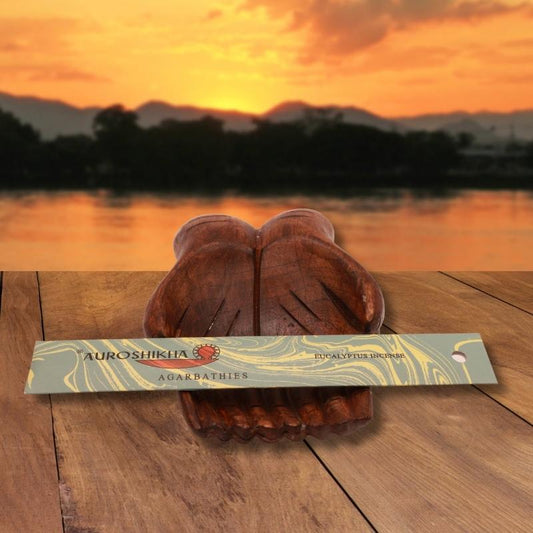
[[409, 124]]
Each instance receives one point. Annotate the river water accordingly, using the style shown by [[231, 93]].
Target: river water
[[384, 230]]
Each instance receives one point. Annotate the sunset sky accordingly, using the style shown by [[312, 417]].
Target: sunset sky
[[393, 57]]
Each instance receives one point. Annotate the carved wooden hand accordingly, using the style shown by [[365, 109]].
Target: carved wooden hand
[[287, 278]]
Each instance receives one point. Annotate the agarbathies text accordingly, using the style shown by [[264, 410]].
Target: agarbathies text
[[207, 376]]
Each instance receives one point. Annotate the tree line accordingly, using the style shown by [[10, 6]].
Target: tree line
[[315, 154]]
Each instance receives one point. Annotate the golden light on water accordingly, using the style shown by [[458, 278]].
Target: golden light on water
[[78, 231]]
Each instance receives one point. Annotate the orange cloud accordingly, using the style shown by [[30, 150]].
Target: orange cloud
[[342, 28], [393, 57], [39, 49], [36, 35], [214, 14], [65, 74], [51, 73], [519, 43]]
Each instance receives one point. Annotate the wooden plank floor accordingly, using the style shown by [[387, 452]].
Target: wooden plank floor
[[434, 459], [433, 302], [514, 288], [28, 474]]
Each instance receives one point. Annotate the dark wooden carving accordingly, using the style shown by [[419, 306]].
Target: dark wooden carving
[[287, 278]]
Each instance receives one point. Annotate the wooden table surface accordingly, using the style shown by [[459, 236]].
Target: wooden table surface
[[437, 459]]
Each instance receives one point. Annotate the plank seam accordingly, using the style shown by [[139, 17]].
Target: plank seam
[[40, 304], [394, 332], [57, 464], [485, 292], [51, 413], [488, 395], [503, 405], [352, 501]]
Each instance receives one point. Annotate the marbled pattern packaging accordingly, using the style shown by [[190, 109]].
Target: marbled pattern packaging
[[200, 363]]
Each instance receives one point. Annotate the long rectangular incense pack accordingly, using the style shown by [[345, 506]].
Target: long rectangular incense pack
[[198, 363]]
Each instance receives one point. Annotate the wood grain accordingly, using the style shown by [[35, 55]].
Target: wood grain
[[129, 462], [421, 302], [437, 459], [515, 288], [95, 303], [28, 472]]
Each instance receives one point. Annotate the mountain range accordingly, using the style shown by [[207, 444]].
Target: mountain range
[[53, 118]]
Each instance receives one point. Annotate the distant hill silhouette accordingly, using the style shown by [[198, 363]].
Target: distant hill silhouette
[[502, 125], [152, 113], [53, 118], [291, 111], [49, 117], [478, 132]]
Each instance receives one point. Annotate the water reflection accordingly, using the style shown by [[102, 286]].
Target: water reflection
[[384, 230]]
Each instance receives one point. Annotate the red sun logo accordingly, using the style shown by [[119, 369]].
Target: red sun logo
[[207, 352]]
